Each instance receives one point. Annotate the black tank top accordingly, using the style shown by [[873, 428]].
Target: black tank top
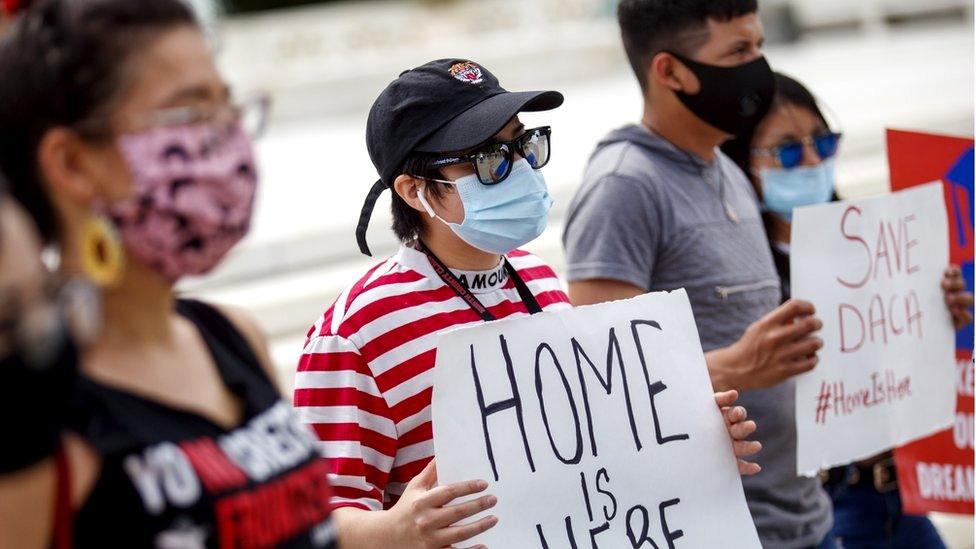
[[175, 480]]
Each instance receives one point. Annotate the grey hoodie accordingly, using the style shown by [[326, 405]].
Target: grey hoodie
[[657, 217]]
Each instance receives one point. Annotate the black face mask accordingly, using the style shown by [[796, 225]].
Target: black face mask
[[732, 99]]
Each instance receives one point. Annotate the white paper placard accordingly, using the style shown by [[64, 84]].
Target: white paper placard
[[595, 427], [872, 269]]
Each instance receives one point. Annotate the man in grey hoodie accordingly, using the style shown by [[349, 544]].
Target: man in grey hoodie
[[662, 208]]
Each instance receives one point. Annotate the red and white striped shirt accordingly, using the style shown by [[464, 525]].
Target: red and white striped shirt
[[364, 378]]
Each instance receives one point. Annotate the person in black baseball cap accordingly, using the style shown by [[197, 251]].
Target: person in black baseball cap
[[446, 138], [445, 114], [467, 193]]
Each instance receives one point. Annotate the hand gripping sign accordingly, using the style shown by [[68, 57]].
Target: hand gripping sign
[[886, 374], [594, 427]]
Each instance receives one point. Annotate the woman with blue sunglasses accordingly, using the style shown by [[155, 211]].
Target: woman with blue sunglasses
[[790, 160]]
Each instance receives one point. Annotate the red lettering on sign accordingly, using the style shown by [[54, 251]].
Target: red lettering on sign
[[892, 250], [837, 399], [899, 315], [867, 249], [859, 324]]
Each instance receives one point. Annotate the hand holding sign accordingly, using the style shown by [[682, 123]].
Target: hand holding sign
[[595, 427], [424, 517], [959, 301], [773, 349], [739, 431]]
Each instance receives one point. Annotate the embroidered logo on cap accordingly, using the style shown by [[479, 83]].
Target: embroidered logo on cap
[[467, 72]]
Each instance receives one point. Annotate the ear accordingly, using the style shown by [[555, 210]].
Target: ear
[[671, 73], [408, 188], [63, 168]]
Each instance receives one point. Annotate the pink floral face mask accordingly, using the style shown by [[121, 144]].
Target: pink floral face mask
[[194, 188]]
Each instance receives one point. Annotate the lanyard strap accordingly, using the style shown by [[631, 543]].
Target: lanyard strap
[[464, 293], [63, 511]]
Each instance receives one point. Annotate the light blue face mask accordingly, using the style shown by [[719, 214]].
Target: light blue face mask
[[500, 218], [784, 189]]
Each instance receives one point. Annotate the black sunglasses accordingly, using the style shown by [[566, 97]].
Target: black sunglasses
[[493, 162], [790, 153]]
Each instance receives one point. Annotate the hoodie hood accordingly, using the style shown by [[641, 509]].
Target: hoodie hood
[[641, 136]]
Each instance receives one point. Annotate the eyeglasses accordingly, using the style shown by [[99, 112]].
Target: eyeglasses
[[790, 154], [251, 114], [493, 162]]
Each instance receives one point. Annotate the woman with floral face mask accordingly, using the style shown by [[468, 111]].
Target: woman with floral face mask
[[122, 143], [790, 159]]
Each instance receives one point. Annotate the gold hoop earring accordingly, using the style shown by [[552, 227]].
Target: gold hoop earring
[[102, 256]]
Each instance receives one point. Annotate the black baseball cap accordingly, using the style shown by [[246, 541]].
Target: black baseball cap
[[444, 106]]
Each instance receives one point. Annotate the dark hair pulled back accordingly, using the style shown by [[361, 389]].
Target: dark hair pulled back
[[63, 62]]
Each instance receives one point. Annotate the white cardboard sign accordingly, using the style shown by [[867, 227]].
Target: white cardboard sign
[[872, 269], [595, 427]]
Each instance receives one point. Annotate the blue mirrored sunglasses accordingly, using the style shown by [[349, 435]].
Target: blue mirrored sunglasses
[[493, 162], [790, 153]]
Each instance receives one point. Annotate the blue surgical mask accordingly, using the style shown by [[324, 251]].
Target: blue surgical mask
[[784, 189], [500, 218]]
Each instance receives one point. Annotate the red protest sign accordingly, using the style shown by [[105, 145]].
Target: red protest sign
[[936, 473]]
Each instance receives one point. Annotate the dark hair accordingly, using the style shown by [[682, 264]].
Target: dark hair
[[407, 222], [649, 27], [788, 92], [69, 58]]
